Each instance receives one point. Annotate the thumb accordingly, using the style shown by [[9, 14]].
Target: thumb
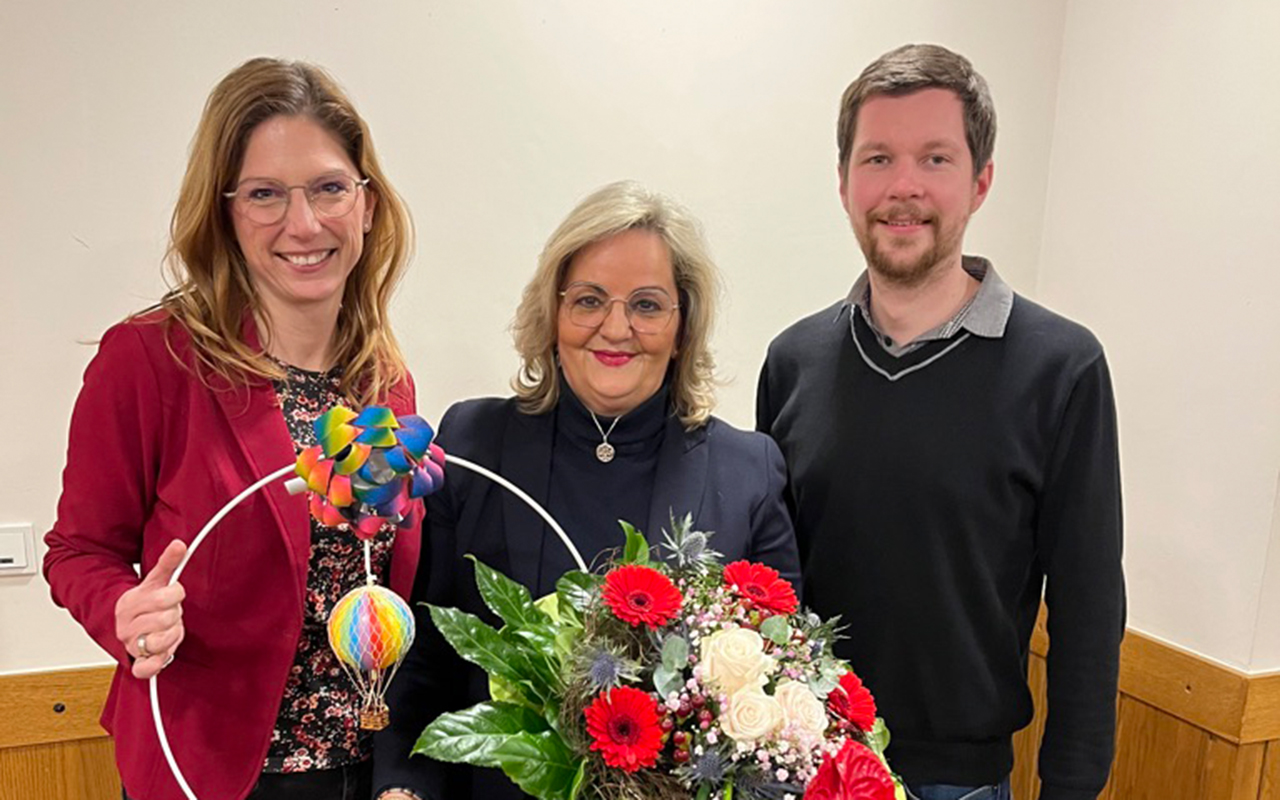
[[167, 565]]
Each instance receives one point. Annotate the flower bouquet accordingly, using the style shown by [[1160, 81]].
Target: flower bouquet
[[668, 678]]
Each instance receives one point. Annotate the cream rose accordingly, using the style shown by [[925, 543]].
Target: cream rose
[[751, 716], [733, 659], [801, 708]]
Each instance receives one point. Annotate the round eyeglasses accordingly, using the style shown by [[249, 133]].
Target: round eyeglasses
[[264, 201], [648, 310]]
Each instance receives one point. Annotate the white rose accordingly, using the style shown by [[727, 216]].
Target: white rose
[[733, 659], [801, 708], [751, 715]]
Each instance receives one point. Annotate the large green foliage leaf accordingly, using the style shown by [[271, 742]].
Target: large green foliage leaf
[[507, 598], [540, 764], [472, 735], [636, 550], [575, 590], [486, 648]]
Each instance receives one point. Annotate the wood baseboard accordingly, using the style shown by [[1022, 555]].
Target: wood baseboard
[[1187, 728], [56, 706]]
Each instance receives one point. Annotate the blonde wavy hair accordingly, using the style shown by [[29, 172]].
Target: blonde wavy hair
[[610, 210], [210, 288]]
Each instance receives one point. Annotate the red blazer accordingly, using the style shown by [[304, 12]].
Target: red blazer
[[153, 454]]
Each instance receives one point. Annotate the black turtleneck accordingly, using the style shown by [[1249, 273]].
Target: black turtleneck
[[589, 497]]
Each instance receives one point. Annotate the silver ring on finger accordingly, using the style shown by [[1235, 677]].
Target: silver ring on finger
[[143, 652]]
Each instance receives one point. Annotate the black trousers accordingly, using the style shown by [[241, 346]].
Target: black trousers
[[352, 782]]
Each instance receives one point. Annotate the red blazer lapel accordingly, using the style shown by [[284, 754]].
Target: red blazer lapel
[[257, 423]]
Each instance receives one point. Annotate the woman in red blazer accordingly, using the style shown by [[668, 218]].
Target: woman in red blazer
[[287, 242]]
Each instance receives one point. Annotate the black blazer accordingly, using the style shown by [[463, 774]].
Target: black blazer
[[730, 480]]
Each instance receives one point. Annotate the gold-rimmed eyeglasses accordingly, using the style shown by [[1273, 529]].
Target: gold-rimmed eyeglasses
[[264, 201], [648, 310]]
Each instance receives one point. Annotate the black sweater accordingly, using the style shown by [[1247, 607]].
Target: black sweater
[[933, 495]]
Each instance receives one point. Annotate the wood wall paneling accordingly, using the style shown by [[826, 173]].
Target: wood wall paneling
[[1187, 729], [1270, 785], [81, 769]]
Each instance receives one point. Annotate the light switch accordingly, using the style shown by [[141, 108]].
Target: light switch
[[17, 552]]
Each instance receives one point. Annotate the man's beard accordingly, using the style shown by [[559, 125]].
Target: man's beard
[[884, 262]]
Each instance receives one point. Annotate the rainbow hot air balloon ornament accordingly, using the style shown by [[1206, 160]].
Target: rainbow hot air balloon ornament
[[368, 469], [370, 631]]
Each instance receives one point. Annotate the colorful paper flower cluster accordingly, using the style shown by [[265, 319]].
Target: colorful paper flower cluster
[[369, 467], [673, 678]]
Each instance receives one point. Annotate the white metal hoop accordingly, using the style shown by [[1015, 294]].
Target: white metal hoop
[[273, 477]]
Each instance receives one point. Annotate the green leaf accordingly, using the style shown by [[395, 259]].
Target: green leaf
[[505, 597], [704, 792], [539, 763], [879, 737], [577, 779], [776, 629], [667, 680], [637, 549], [823, 686], [675, 653], [486, 648], [575, 589], [471, 736], [504, 691]]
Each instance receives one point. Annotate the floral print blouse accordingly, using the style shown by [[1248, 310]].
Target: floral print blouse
[[318, 726]]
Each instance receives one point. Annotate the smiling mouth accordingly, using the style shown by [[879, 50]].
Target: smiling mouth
[[904, 223], [307, 259], [612, 359]]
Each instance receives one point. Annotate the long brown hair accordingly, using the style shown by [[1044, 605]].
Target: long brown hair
[[211, 292]]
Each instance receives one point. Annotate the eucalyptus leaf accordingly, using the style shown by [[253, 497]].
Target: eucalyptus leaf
[[539, 763], [471, 736], [776, 629], [675, 653], [636, 550], [507, 598], [667, 681], [823, 686]]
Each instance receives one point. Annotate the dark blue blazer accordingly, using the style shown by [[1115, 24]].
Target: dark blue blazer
[[732, 482]]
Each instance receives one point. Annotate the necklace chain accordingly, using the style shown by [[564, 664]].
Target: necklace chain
[[604, 451]]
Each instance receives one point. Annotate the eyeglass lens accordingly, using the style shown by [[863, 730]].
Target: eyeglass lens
[[265, 201], [648, 310]]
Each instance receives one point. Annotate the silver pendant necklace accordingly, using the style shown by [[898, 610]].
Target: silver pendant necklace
[[604, 451]]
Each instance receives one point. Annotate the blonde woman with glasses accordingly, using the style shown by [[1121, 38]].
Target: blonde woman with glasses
[[287, 242], [611, 420]]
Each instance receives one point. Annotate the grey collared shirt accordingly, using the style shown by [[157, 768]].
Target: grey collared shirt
[[986, 313]]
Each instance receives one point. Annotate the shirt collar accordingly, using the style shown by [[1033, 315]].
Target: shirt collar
[[985, 315]]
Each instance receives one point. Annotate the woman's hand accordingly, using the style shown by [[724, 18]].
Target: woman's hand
[[149, 616]]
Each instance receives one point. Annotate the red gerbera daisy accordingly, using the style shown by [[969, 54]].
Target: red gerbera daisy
[[852, 701], [641, 594], [761, 587], [624, 724], [854, 773]]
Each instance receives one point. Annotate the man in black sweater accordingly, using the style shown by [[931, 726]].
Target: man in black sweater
[[952, 455]]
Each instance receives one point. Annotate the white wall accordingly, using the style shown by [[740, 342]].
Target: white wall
[[1155, 207], [1161, 233], [493, 120]]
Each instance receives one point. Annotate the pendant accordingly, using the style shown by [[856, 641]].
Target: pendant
[[604, 452]]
